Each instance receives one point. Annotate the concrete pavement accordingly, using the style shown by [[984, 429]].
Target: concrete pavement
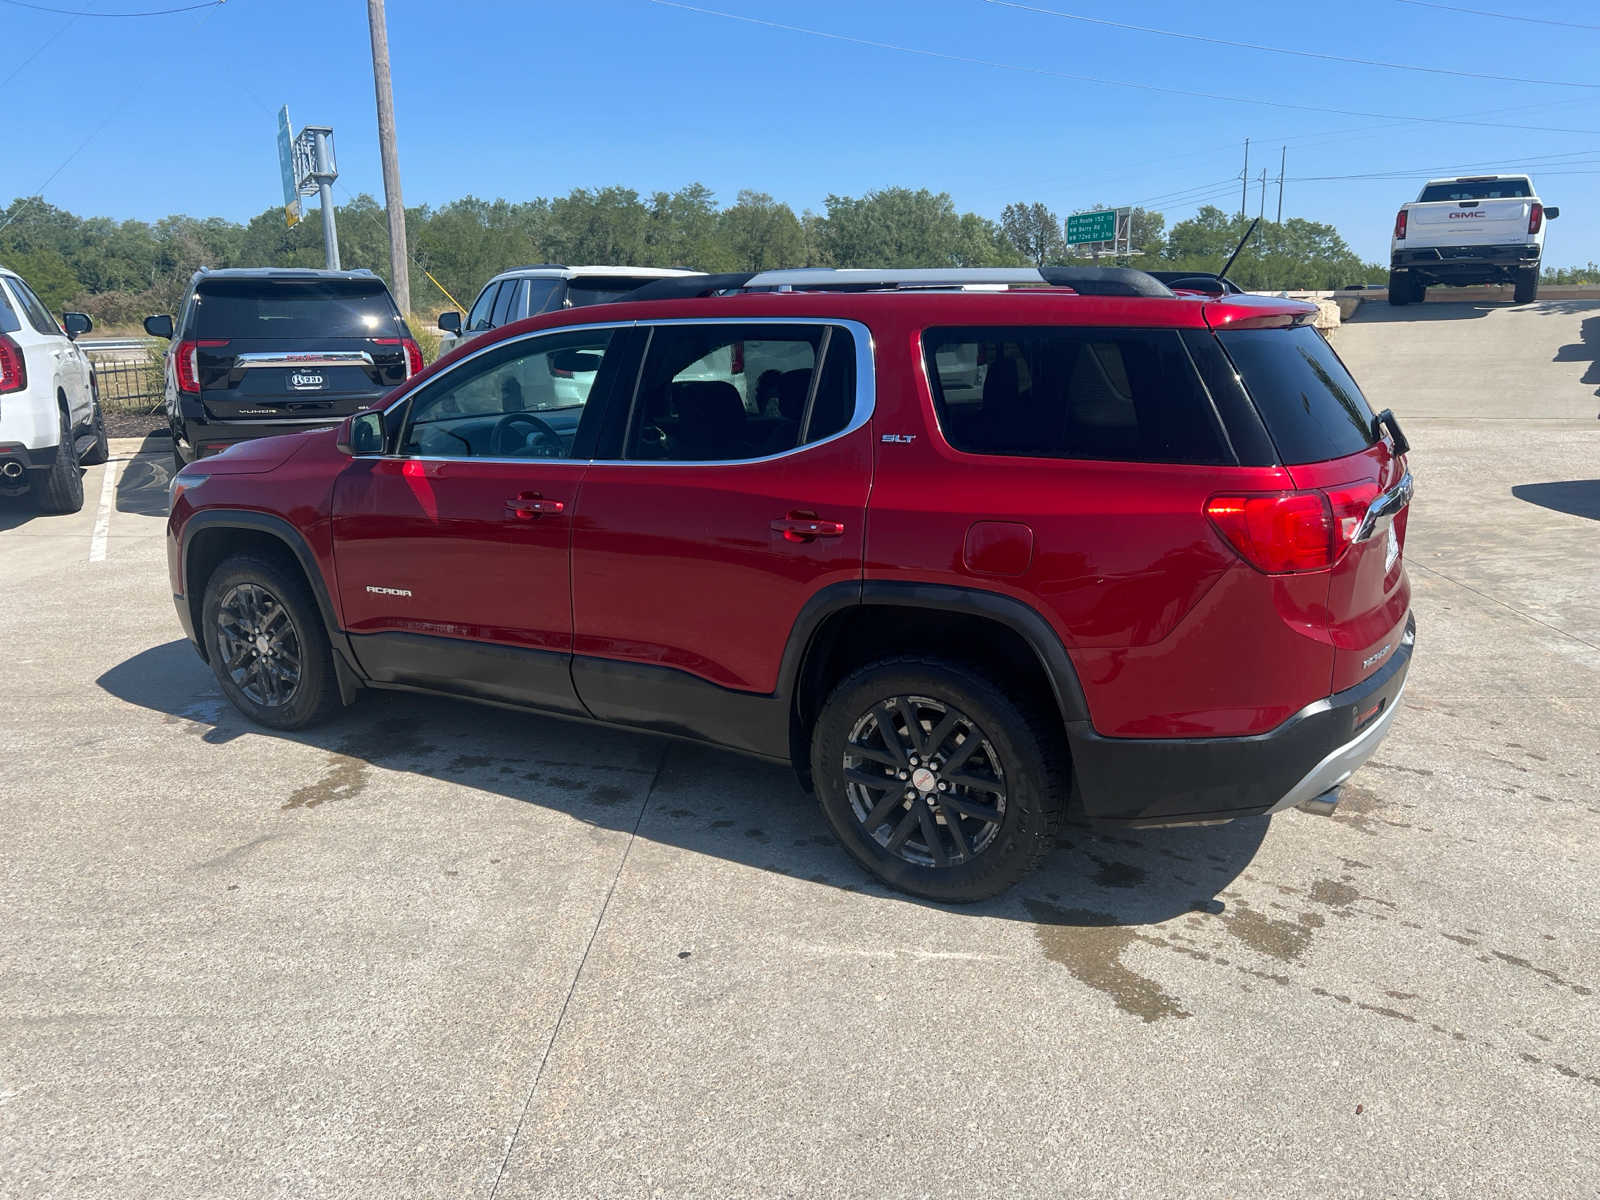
[[441, 950]]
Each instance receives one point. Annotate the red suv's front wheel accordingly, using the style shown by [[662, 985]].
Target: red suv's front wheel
[[935, 780]]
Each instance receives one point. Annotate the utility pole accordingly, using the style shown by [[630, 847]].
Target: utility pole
[[1262, 214], [1282, 163], [399, 259], [1244, 180]]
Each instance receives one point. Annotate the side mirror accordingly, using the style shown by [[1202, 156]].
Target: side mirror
[[76, 324], [450, 322], [362, 434], [570, 362], [1552, 212], [160, 327]]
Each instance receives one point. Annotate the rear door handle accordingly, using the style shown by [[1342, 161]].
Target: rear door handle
[[530, 506], [806, 527]]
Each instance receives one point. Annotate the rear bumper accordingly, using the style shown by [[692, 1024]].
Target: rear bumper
[[1178, 781], [37, 458], [1470, 263], [213, 437]]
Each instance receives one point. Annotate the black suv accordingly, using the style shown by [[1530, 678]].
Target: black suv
[[263, 351]]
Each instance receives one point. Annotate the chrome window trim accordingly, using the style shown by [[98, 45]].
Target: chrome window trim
[[866, 388], [308, 358]]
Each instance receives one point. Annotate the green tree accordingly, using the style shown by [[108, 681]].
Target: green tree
[[761, 234], [1034, 231]]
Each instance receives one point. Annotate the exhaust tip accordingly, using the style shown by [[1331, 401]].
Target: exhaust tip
[[11, 469], [1322, 805]]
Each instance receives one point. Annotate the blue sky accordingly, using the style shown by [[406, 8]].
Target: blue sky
[[498, 98]]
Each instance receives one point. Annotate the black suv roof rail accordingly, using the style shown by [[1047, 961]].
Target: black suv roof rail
[[1085, 281]]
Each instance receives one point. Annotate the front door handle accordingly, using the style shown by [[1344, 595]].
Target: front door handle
[[806, 527], [530, 506]]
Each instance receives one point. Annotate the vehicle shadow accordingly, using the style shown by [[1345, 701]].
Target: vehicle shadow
[[142, 486], [1381, 312], [1585, 349], [683, 794], [17, 511], [1575, 497]]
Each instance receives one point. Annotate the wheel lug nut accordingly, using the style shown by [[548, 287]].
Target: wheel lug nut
[[943, 786], [913, 760], [911, 794], [904, 775]]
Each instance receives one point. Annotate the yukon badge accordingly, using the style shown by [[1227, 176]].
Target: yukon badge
[[388, 591]]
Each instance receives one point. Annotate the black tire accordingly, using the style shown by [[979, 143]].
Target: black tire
[[1017, 745], [1399, 289], [235, 616], [1527, 286], [177, 459], [60, 489], [1419, 292], [101, 450]]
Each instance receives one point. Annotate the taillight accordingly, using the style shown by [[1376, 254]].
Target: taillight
[[187, 362], [1400, 226], [1287, 533], [412, 352], [1535, 217], [13, 367]]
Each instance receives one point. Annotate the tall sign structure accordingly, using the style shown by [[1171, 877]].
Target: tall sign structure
[[1101, 231], [309, 169]]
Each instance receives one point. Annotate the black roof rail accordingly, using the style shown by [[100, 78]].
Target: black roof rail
[[689, 287], [1105, 281]]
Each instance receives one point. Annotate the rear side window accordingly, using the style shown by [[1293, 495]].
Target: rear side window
[[38, 315], [253, 309], [1476, 189], [505, 305], [1312, 408], [8, 315], [1049, 391], [726, 392]]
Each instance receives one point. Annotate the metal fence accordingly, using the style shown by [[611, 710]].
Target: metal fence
[[128, 385]]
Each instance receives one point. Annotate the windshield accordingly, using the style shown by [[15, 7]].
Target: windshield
[[1476, 189], [583, 292], [279, 309]]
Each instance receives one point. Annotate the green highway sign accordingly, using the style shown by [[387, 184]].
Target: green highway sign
[[1097, 226]]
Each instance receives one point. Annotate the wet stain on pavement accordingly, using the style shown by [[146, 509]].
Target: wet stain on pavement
[[608, 793], [1543, 972], [1283, 940], [1090, 945], [1117, 874], [1334, 895], [470, 762], [344, 778]]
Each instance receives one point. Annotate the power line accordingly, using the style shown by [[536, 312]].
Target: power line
[[1122, 83], [1338, 58], [39, 191], [1484, 12], [43, 46], [85, 12]]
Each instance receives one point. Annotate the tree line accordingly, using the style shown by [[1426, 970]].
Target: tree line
[[118, 271]]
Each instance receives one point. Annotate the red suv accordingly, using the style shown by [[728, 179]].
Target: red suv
[[971, 550]]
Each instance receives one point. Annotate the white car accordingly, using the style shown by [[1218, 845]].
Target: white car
[[50, 422], [546, 287], [1469, 230]]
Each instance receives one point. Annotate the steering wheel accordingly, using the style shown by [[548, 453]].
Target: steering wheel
[[518, 433]]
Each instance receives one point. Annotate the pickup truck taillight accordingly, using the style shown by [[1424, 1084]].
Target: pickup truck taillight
[[1400, 226], [13, 367], [186, 362], [1535, 217]]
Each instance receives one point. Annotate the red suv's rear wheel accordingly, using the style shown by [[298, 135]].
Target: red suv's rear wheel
[[935, 780]]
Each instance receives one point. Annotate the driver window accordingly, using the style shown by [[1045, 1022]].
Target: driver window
[[523, 400]]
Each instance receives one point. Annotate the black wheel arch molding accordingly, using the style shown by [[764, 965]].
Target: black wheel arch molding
[[349, 677]]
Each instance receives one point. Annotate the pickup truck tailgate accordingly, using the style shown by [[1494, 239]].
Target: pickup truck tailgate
[[1467, 223]]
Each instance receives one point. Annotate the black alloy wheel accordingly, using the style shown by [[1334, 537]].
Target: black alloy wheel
[[925, 781], [938, 779], [260, 645]]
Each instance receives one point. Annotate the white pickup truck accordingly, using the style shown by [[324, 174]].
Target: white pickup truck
[[1475, 229]]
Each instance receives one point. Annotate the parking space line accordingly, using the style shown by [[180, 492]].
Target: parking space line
[[102, 520]]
